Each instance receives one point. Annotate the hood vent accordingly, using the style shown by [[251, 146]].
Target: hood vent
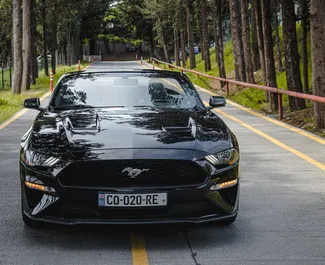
[[189, 128]]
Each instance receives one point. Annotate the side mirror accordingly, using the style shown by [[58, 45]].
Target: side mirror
[[32, 103], [217, 102]]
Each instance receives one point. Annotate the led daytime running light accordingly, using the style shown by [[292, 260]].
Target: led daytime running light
[[224, 185], [35, 186]]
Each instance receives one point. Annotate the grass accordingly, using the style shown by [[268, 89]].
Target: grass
[[206, 82], [10, 103]]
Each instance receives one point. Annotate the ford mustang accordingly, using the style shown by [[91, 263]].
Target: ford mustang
[[126, 147]]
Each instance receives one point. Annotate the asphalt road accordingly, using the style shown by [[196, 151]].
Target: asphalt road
[[281, 219]]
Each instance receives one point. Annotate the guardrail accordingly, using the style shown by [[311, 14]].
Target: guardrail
[[228, 81]]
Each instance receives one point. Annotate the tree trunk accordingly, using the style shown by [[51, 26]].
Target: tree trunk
[[199, 26], [292, 59], [305, 28], [247, 42], [317, 14], [25, 82], [54, 45], [255, 51], [189, 25], [65, 53], [256, 4], [205, 35], [176, 49], [76, 47], [152, 43], [237, 41], [219, 40], [33, 61], [277, 40], [70, 46], [46, 62], [53, 61], [183, 50], [268, 51], [183, 26], [17, 47], [165, 47]]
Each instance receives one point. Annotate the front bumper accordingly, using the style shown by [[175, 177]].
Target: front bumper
[[78, 221], [73, 206]]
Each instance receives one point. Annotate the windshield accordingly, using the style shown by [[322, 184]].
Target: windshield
[[123, 90]]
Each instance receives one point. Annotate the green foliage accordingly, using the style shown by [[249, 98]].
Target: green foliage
[[206, 82], [109, 18], [5, 29], [10, 103], [251, 98]]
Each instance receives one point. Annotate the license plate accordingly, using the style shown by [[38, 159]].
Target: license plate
[[132, 200]]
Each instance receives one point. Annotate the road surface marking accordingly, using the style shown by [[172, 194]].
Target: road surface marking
[[20, 113], [273, 140], [294, 129], [280, 123], [139, 252]]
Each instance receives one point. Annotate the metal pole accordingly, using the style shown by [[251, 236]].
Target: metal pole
[[280, 106]]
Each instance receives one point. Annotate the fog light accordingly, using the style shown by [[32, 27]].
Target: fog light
[[224, 185], [35, 186]]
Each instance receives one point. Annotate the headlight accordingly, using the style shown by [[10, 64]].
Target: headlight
[[32, 158], [225, 158]]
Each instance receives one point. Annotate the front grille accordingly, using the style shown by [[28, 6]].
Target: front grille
[[109, 173]]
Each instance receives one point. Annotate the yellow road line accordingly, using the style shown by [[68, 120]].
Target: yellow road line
[[139, 252], [280, 123], [284, 125], [20, 113], [273, 140], [13, 118]]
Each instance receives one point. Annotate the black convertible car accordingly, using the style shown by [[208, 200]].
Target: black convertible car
[[128, 147]]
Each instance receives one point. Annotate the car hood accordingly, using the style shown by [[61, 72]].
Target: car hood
[[94, 129]]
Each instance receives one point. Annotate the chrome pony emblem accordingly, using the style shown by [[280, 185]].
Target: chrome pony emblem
[[133, 172]]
